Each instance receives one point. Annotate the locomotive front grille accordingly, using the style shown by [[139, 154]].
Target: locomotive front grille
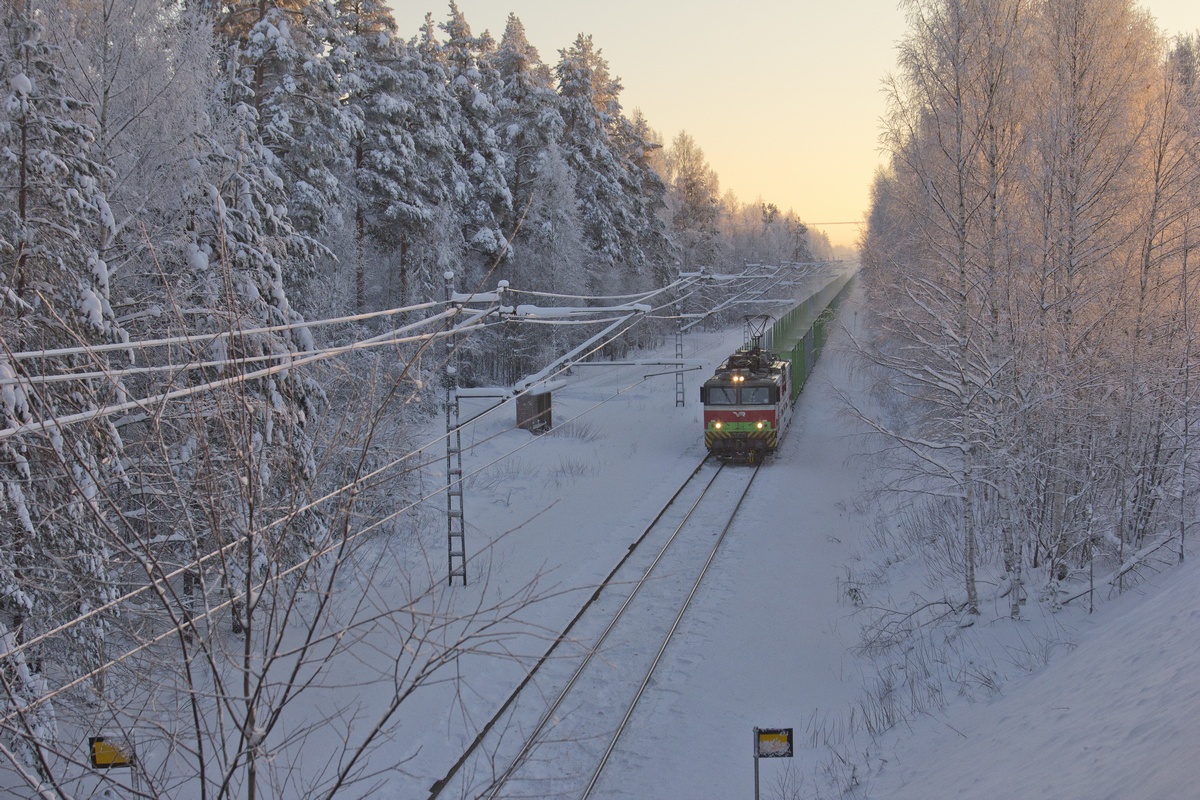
[[724, 439]]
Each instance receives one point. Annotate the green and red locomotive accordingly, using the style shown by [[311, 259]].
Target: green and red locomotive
[[747, 403]]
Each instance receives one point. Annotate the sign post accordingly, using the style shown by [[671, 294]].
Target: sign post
[[109, 753], [770, 743]]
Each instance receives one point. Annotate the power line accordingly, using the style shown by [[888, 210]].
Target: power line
[[300, 359], [282, 361], [239, 361], [473, 322], [289, 361], [160, 582], [203, 338]]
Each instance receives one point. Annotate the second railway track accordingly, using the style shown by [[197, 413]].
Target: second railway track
[[555, 736]]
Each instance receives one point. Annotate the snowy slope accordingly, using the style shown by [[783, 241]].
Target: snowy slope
[[1114, 718]]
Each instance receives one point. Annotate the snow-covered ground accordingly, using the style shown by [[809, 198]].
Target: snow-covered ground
[[1114, 718], [770, 641], [1060, 704], [767, 643]]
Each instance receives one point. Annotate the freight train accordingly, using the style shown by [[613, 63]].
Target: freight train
[[748, 400], [747, 403]]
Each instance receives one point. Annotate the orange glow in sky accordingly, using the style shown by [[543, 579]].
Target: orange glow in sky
[[784, 96]]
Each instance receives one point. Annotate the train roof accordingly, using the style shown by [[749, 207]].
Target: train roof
[[752, 362]]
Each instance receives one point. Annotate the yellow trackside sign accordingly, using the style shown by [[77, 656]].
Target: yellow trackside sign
[[109, 753], [773, 742], [770, 743]]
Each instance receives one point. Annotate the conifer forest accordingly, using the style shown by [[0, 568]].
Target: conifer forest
[[227, 237]]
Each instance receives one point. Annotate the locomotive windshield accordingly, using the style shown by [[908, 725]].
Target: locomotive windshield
[[756, 395], [722, 396]]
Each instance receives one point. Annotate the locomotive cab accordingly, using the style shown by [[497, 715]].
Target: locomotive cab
[[745, 404]]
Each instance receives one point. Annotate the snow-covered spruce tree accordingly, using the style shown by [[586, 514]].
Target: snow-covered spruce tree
[[552, 257], [480, 198], [694, 202], [411, 173], [548, 253], [529, 124], [485, 200], [699, 225], [590, 112], [554, 253], [284, 62], [653, 256], [413, 186], [55, 292], [370, 85], [243, 248]]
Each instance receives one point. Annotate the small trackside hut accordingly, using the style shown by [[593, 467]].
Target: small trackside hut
[[535, 409]]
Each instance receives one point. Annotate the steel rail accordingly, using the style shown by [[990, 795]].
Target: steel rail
[[670, 634], [492, 792], [441, 784], [548, 715]]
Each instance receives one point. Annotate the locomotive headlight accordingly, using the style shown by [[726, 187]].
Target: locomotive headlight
[[716, 424], [760, 425]]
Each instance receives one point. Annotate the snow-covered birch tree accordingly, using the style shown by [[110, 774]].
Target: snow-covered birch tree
[[952, 136], [1024, 254]]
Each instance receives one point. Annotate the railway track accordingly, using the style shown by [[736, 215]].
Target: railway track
[[556, 733]]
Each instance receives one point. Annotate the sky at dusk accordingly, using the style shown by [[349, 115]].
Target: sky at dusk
[[784, 96]]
